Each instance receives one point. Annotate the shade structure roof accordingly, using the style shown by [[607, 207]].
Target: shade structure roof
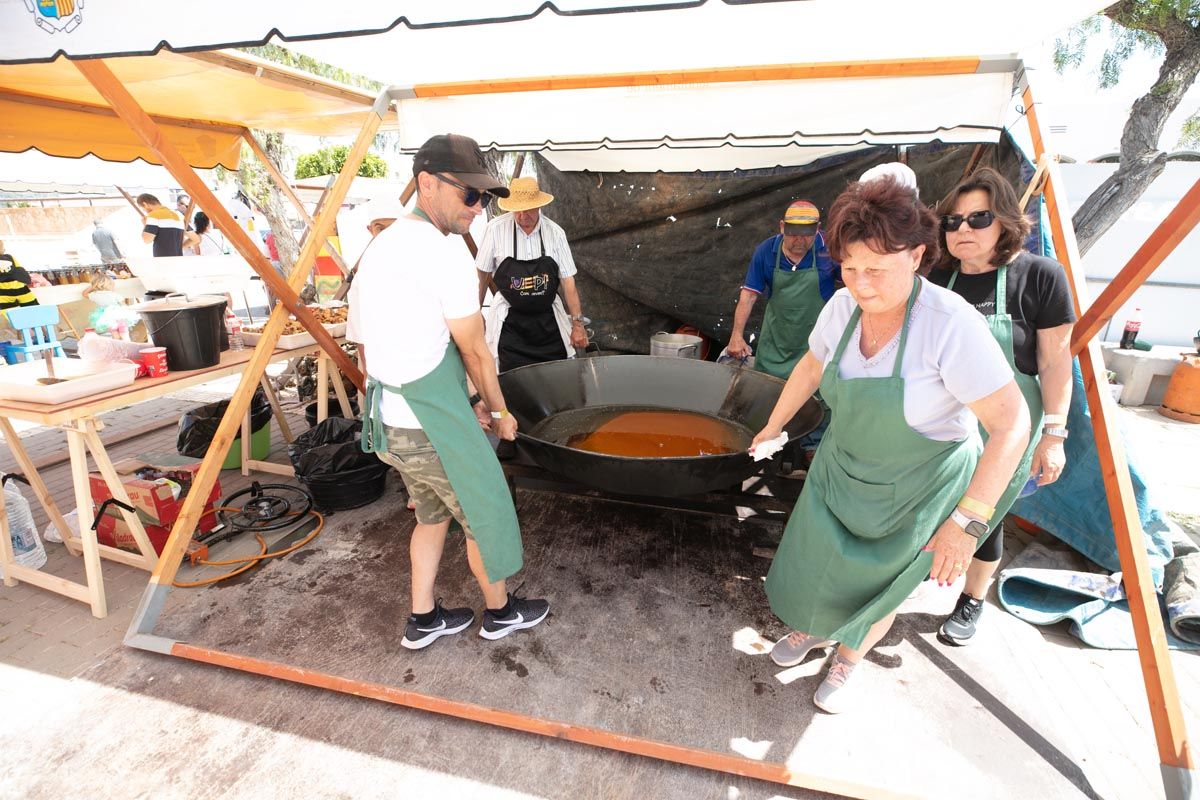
[[202, 102], [684, 85]]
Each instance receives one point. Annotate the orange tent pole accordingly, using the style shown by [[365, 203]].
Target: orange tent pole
[[1170, 732]]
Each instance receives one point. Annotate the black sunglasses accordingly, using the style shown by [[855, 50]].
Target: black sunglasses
[[977, 220], [472, 195]]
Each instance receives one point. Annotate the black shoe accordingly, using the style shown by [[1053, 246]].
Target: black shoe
[[522, 613], [959, 627], [445, 622]]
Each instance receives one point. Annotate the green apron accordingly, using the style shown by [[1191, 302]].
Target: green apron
[[790, 316], [439, 401], [1031, 388], [875, 494]]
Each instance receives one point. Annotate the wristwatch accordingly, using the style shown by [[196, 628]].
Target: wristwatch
[[581, 319], [1051, 431], [972, 526]]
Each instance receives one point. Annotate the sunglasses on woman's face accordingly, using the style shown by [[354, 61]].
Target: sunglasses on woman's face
[[977, 220], [471, 196]]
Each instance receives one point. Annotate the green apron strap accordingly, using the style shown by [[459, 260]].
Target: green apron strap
[[912, 298]]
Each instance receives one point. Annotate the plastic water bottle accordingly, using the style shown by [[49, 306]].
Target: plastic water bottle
[[1132, 326], [28, 550], [234, 323]]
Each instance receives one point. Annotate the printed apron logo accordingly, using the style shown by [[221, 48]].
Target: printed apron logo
[[53, 16]]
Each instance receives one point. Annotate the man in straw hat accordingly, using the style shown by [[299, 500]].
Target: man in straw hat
[[525, 257], [414, 312]]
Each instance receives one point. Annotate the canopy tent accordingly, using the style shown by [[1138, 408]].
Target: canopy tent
[[202, 102], [526, 47]]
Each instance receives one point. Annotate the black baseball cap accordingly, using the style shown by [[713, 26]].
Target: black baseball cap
[[462, 158]]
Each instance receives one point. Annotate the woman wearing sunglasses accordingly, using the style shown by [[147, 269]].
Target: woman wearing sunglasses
[[899, 489], [1027, 303]]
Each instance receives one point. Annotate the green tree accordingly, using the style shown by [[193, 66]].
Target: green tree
[[1170, 28], [330, 160]]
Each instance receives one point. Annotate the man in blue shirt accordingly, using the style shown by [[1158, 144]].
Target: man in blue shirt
[[794, 270]]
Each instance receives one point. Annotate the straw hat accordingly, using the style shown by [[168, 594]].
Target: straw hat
[[524, 195]]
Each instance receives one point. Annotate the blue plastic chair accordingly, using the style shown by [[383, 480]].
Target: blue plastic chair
[[36, 324]]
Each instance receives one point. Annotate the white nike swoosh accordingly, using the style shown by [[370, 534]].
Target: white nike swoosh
[[516, 621], [431, 630]]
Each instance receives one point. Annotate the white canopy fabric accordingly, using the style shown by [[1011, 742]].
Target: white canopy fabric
[[485, 68]]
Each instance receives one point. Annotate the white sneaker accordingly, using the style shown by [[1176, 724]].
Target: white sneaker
[[832, 696]]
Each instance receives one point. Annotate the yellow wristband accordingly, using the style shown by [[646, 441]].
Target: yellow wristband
[[976, 507], [501, 414]]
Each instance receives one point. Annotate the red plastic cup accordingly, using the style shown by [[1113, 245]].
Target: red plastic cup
[[155, 359]]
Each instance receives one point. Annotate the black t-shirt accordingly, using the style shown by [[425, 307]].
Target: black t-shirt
[[1039, 297]]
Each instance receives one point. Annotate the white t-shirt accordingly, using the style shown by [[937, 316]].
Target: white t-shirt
[[498, 244], [411, 279], [951, 359]]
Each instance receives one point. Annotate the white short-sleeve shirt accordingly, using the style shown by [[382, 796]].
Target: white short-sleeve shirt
[[411, 279], [951, 359], [498, 244]]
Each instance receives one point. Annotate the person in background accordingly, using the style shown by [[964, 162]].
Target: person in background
[[899, 490], [205, 240], [103, 241], [183, 204], [795, 272], [1027, 303], [15, 284], [414, 312], [163, 228], [526, 256]]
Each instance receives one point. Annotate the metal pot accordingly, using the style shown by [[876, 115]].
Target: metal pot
[[677, 345], [741, 396]]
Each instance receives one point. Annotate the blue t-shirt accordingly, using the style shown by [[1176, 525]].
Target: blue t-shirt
[[762, 266]]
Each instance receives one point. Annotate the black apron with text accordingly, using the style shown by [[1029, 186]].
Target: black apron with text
[[530, 333]]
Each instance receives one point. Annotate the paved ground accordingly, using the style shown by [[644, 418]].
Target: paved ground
[[87, 716]]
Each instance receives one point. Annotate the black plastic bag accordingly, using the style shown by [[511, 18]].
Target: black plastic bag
[[330, 450], [198, 426]]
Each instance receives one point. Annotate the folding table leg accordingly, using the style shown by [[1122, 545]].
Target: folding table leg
[[7, 558], [36, 483], [105, 465], [322, 387], [273, 399], [83, 501]]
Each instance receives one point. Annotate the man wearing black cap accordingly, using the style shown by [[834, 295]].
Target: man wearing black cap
[[414, 310]]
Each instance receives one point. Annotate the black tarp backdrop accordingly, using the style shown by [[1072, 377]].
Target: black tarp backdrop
[[660, 250]]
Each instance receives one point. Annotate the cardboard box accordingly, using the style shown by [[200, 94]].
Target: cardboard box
[[154, 500]]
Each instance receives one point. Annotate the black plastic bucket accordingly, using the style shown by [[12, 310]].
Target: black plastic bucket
[[189, 329]]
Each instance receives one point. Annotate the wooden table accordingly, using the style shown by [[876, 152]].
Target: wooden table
[[78, 419]]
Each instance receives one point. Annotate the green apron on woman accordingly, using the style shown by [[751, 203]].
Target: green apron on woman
[[791, 313], [875, 494], [1002, 329], [439, 401]]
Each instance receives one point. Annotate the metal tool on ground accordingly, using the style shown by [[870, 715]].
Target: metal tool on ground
[[270, 507]]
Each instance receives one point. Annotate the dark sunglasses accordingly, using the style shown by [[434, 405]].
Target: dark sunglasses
[[472, 196], [977, 220]]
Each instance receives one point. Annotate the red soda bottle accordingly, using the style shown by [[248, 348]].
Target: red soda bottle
[[1132, 326]]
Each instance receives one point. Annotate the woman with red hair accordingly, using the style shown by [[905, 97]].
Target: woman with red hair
[[900, 489]]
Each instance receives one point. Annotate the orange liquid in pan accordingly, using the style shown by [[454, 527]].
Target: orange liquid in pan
[[661, 434]]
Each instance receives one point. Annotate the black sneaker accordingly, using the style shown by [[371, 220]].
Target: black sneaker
[[445, 622], [522, 613], [959, 627]]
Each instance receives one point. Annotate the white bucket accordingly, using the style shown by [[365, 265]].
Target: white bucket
[[677, 345]]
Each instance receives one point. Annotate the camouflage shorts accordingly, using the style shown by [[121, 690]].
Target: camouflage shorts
[[410, 452]]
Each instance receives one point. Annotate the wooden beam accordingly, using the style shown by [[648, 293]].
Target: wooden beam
[[1170, 731], [98, 73], [291, 195], [129, 198], [1166, 237], [973, 161], [890, 68], [265, 70], [1039, 176], [227, 430]]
